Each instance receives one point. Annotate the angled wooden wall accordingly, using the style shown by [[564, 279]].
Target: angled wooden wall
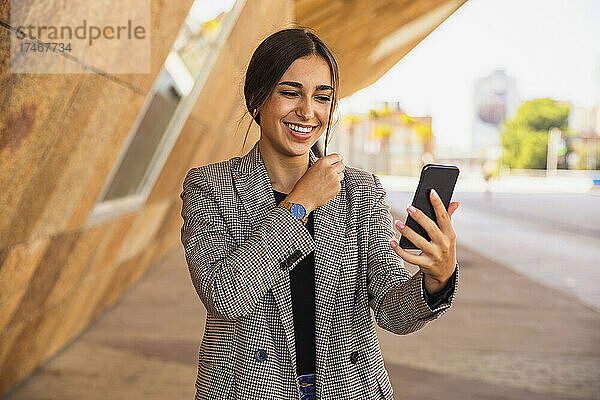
[[369, 37], [61, 135]]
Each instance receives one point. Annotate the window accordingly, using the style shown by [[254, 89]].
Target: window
[[166, 108]]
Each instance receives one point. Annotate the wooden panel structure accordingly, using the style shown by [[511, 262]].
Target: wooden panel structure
[[61, 134], [369, 37]]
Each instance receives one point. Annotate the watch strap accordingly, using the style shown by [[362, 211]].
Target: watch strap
[[288, 206]]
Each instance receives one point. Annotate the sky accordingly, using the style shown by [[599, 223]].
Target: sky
[[209, 9], [551, 48]]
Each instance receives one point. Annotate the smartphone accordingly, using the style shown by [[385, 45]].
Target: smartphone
[[442, 178]]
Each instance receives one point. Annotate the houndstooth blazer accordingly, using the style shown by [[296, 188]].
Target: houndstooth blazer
[[240, 248]]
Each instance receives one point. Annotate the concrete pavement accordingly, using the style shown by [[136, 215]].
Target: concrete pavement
[[552, 238], [506, 337]]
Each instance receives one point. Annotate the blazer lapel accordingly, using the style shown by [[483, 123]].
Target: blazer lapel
[[329, 236], [256, 192]]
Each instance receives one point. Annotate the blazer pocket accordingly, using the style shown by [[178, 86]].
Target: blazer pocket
[[214, 381]]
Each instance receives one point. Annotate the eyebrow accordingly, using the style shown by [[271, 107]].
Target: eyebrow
[[299, 85]]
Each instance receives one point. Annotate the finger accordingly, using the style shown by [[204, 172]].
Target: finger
[[443, 219], [414, 237], [427, 223], [452, 207], [409, 257], [335, 158]]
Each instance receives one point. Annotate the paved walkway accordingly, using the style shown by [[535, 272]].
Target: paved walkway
[[507, 337]]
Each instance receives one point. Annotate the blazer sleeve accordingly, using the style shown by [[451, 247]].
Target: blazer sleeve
[[231, 279], [396, 297]]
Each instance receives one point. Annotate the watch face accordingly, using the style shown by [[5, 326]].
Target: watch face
[[298, 210]]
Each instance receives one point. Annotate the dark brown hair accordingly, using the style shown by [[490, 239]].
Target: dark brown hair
[[273, 57]]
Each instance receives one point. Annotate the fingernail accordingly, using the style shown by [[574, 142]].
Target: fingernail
[[411, 209], [399, 224], [434, 194], [393, 243]]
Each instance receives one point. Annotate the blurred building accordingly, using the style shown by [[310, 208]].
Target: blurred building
[[495, 98], [93, 162], [584, 144], [386, 141], [585, 120]]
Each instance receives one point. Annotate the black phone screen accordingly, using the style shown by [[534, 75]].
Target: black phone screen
[[442, 178]]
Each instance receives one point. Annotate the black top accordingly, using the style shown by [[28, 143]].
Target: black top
[[302, 281]]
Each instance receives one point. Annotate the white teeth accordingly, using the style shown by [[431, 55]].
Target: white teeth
[[299, 128]]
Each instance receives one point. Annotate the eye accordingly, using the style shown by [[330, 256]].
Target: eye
[[294, 94]]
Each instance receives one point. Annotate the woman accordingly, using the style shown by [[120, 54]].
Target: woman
[[288, 251]]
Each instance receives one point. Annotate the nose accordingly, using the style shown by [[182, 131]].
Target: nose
[[305, 109]]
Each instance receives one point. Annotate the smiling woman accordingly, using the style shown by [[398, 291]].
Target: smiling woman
[[288, 250]]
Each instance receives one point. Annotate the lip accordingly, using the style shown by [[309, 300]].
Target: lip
[[298, 135]]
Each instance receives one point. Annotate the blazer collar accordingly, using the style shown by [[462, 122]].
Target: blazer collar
[[256, 192]]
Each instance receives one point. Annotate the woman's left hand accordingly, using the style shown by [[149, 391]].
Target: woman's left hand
[[438, 257]]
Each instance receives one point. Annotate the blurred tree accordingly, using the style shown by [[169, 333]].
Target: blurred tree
[[383, 131], [404, 119], [423, 130], [524, 138], [352, 119], [421, 127]]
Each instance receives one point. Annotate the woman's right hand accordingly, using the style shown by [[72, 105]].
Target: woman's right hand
[[320, 183]]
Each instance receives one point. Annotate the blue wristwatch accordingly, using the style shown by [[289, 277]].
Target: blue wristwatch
[[297, 210]]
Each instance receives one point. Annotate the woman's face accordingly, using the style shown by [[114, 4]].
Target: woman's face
[[302, 98]]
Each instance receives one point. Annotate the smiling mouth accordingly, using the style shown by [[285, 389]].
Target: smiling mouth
[[299, 131]]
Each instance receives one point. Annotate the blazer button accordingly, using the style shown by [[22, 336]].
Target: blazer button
[[354, 357], [297, 254], [260, 355], [356, 297]]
